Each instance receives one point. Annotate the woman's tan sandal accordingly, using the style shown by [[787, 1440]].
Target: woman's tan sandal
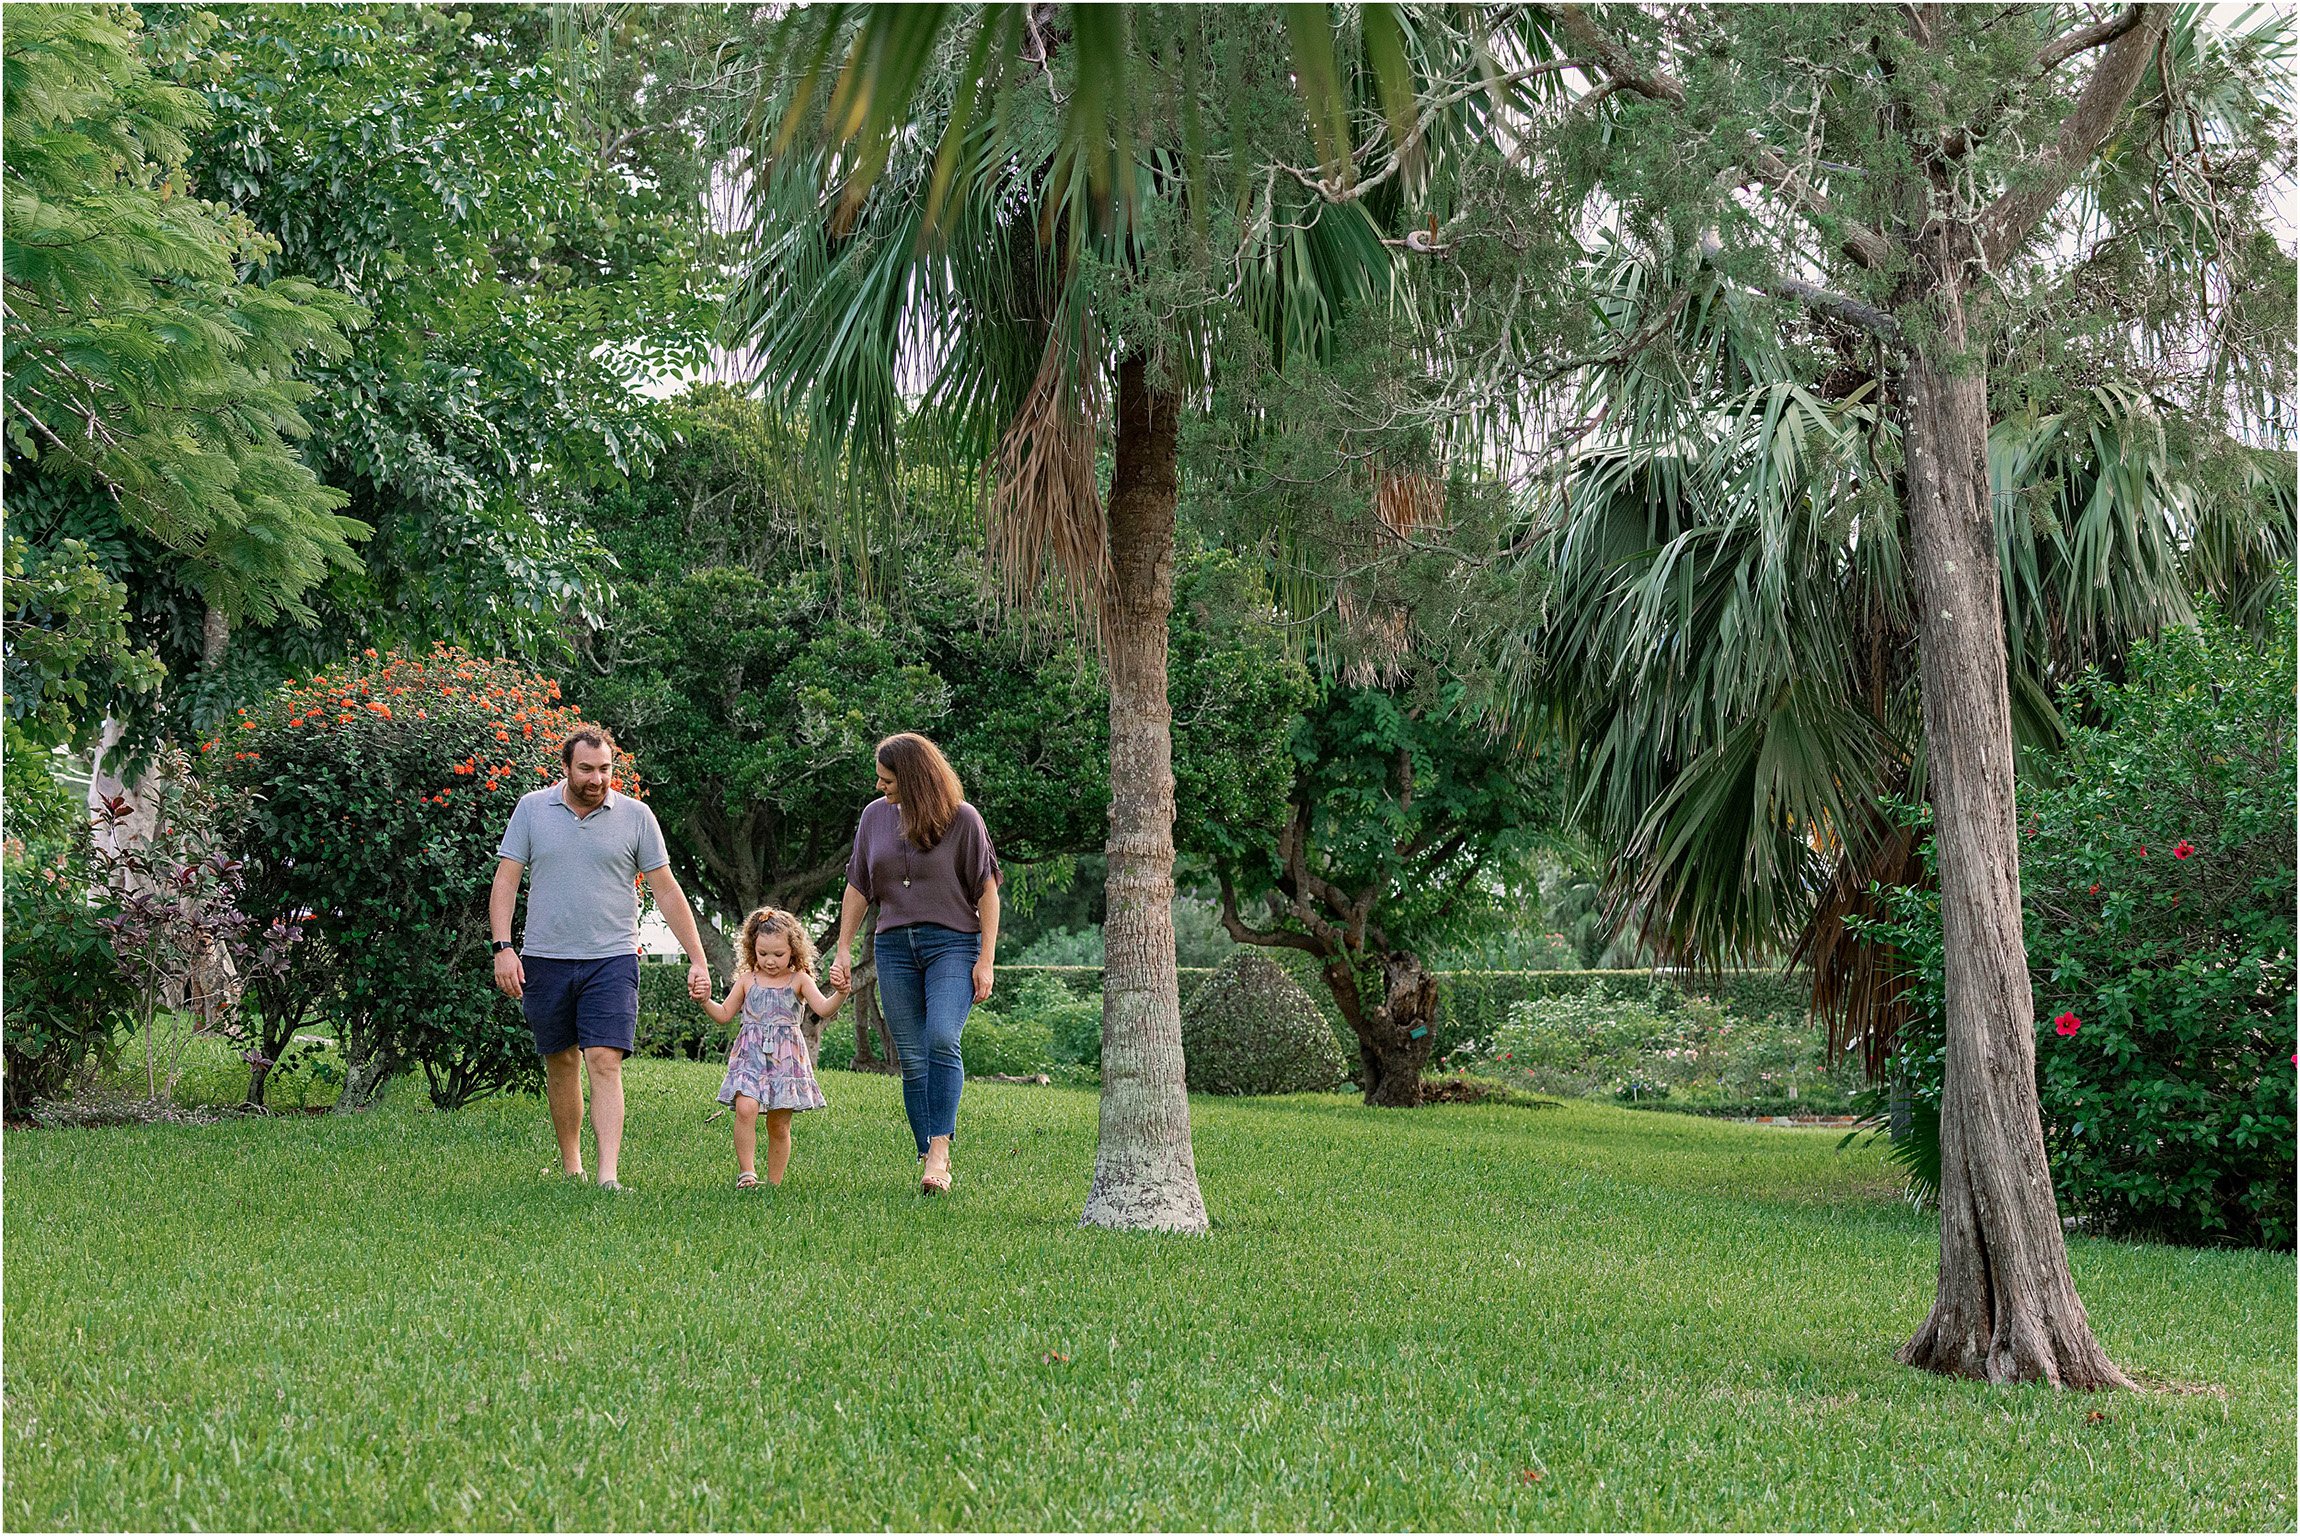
[[746, 1181]]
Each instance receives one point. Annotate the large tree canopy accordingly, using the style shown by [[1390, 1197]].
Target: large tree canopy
[[153, 394]]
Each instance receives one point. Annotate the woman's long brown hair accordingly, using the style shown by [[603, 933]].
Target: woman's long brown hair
[[930, 791]]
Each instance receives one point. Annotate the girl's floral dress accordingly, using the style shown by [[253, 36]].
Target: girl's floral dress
[[769, 1061]]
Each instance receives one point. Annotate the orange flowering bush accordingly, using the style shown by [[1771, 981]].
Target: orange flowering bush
[[372, 797]]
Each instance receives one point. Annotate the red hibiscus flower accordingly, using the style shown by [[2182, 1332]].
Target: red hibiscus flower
[[2183, 849], [2066, 1024]]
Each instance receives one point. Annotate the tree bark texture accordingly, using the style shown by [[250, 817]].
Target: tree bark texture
[[1145, 1177], [2006, 1308], [1394, 1041]]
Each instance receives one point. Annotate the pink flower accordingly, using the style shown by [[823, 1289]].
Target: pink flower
[[2066, 1024], [2183, 849]]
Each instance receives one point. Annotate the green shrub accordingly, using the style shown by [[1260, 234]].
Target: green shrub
[[1660, 1047], [670, 1024], [837, 1052], [1474, 1005], [65, 995], [1009, 1045], [1250, 1028], [2157, 886], [373, 797], [1071, 1021]]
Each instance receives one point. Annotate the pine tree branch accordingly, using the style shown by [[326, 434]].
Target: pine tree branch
[[1822, 301], [1866, 247], [2037, 185], [2069, 44]]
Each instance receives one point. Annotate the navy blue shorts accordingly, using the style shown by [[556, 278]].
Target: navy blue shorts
[[582, 1002]]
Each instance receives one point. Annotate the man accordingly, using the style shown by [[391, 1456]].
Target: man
[[577, 976]]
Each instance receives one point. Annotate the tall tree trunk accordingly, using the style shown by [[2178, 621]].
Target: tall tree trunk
[[1394, 1040], [1144, 1174], [215, 637], [2006, 1308]]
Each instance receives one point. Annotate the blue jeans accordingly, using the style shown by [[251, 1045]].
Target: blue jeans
[[926, 989]]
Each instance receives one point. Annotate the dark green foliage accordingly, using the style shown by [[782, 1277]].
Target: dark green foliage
[[65, 996], [1250, 1028], [756, 681], [671, 1025], [1015, 1044], [2157, 881], [153, 390], [1407, 822], [69, 661], [515, 201], [1062, 1007]]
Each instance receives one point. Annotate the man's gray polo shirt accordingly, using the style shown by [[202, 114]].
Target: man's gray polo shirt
[[582, 895]]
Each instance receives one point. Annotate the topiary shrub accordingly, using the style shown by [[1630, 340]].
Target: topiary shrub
[[1250, 1028], [369, 800]]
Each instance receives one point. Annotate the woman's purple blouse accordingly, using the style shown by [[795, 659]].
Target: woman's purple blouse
[[935, 885]]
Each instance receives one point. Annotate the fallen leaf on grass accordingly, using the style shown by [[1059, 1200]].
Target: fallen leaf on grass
[[2096, 1417], [1054, 1359], [1530, 1475]]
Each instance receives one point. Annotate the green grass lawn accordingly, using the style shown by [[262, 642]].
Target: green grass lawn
[[398, 1319]]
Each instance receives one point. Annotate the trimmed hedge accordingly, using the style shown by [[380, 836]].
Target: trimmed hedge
[[1472, 1005]]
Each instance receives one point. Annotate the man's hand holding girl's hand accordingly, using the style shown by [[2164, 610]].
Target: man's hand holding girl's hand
[[842, 973]]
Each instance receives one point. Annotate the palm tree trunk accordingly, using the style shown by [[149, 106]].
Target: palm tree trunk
[[1145, 1177], [2006, 1308]]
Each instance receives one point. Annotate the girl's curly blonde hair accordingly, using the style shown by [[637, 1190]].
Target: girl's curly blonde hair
[[775, 920]]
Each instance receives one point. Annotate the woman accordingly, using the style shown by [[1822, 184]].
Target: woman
[[922, 853]]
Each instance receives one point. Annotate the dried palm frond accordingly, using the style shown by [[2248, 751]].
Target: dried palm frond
[[1380, 631], [1043, 517], [1860, 989]]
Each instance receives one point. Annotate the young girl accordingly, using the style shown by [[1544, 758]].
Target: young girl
[[768, 1067]]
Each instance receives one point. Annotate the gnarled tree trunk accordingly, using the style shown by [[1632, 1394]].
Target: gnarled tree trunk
[[1394, 1032], [2006, 1308], [1394, 1041], [1145, 1176]]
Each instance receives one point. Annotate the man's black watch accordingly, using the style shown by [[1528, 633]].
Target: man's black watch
[[500, 946]]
